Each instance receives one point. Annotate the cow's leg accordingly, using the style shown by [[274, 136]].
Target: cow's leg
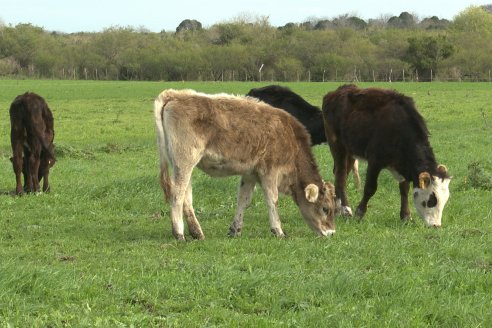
[[193, 224], [354, 165], [340, 158], [181, 179], [404, 210], [34, 161], [244, 197], [270, 191], [46, 184], [17, 143], [44, 172], [370, 188], [25, 169]]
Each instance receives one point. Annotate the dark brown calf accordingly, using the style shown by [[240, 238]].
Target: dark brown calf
[[310, 116], [31, 137], [384, 128]]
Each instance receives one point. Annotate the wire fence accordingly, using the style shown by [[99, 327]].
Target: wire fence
[[243, 75]]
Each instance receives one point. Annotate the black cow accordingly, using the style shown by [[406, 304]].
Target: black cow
[[31, 135], [310, 116], [384, 128]]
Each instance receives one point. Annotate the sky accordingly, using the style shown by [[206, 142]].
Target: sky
[[71, 16]]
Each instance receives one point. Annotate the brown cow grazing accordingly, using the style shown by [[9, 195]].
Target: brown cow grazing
[[309, 115], [31, 135], [227, 135], [384, 128]]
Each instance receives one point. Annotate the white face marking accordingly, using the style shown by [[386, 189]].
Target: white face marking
[[328, 232], [430, 202]]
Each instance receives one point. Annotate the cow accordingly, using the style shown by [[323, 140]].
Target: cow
[[384, 127], [309, 115], [31, 135], [226, 135]]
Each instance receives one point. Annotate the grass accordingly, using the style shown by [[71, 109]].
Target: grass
[[98, 250]]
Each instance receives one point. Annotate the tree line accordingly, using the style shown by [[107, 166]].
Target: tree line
[[345, 48]]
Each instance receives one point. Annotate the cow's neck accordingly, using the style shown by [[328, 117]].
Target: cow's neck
[[423, 161], [306, 173]]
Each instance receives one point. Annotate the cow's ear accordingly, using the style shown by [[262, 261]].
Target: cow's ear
[[311, 192], [443, 170], [424, 180]]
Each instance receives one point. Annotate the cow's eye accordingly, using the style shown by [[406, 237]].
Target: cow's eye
[[424, 204], [326, 210]]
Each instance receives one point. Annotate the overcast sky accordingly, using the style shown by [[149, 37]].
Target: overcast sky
[[156, 15]]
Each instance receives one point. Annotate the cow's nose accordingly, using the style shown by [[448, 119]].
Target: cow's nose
[[436, 225]]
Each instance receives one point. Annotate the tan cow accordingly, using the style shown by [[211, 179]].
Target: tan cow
[[227, 135]]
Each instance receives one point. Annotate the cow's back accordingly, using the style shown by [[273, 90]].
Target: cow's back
[[233, 127], [284, 98], [373, 122]]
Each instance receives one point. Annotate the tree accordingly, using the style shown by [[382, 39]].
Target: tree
[[21, 43], [405, 20], [189, 25], [434, 23], [474, 20], [425, 53], [487, 8]]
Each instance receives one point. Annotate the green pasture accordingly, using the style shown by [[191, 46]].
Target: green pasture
[[98, 250]]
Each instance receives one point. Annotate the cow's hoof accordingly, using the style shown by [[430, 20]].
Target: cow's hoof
[[278, 233], [180, 237], [197, 233], [233, 232], [198, 236], [407, 219], [359, 214], [346, 211]]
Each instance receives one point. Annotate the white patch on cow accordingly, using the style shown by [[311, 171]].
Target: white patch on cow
[[328, 232], [429, 202], [346, 211], [342, 210]]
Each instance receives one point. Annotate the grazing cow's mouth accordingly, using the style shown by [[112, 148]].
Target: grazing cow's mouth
[[327, 232]]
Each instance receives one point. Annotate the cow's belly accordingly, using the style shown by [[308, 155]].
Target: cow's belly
[[218, 166]]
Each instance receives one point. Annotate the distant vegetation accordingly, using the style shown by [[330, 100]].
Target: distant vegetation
[[343, 48]]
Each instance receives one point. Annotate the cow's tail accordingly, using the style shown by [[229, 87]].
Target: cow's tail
[[41, 132], [50, 134], [165, 180]]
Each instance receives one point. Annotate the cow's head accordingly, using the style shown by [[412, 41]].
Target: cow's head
[[431, 195], [318, 208]]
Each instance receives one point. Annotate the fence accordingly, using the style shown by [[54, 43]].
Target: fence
[[326, 75]]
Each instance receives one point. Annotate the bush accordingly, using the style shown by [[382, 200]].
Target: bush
[[478, 176]]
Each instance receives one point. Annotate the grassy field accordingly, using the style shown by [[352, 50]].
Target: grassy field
[[98, 250]]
